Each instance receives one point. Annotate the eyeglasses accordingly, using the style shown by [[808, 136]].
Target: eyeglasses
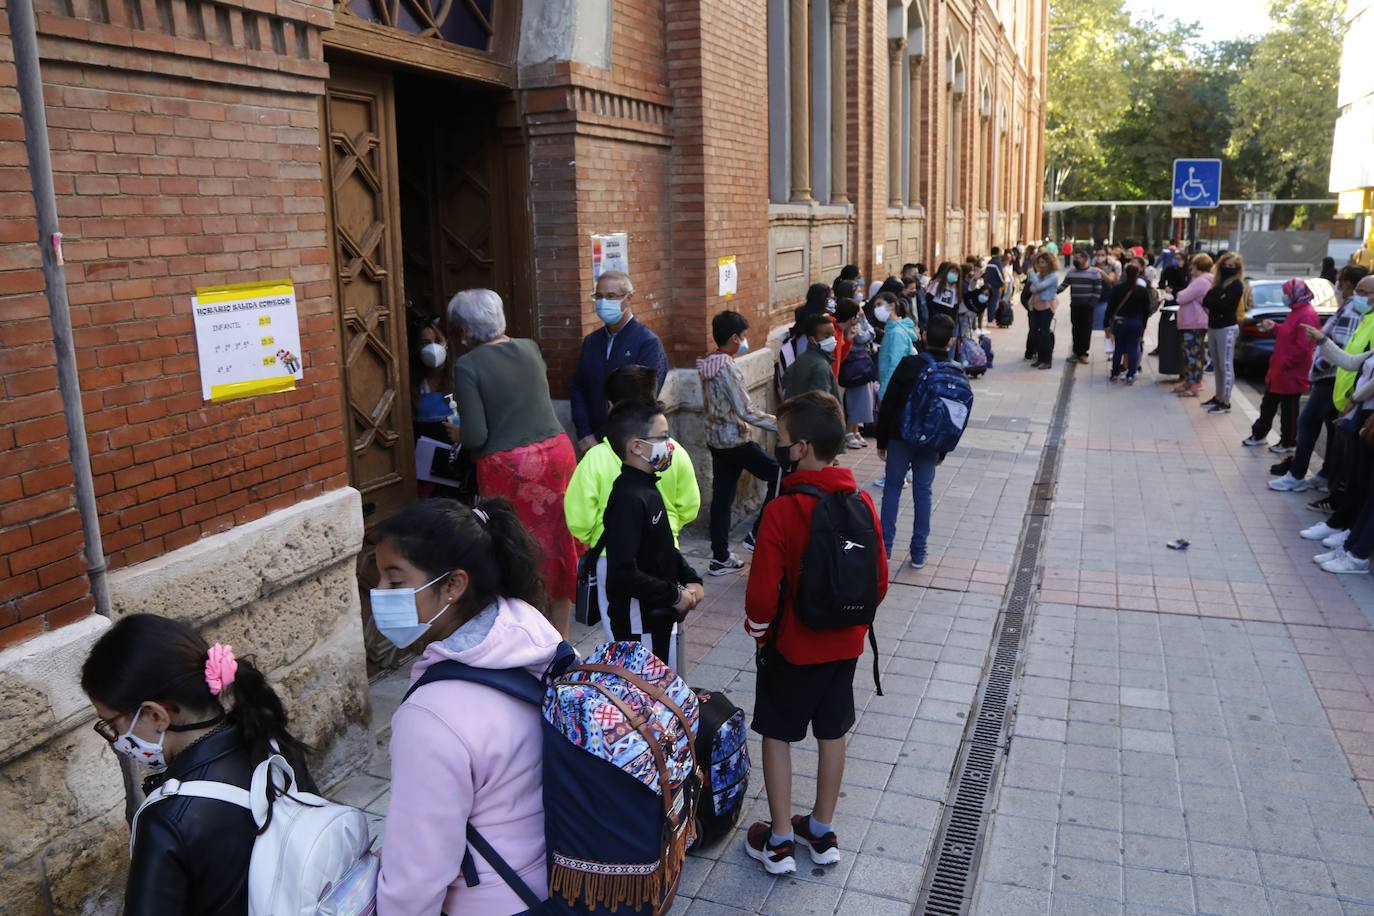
[[105, 728], [613, 297]]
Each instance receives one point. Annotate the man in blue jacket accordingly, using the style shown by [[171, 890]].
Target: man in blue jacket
[[622, 341]]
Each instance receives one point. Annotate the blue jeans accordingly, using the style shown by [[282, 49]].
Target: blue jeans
[[1128, 333], [901, 456]]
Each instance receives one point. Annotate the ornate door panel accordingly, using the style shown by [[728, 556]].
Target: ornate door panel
[[360, 157]]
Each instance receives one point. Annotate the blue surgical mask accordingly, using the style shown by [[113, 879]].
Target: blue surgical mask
[[1360, 304], [743, 346], [951, 277], [609, 311], [982, 297], [396, 616]]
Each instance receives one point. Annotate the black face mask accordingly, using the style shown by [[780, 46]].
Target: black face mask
[[782, 453]]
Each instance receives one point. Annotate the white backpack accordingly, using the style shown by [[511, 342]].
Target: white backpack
[[311, 846]]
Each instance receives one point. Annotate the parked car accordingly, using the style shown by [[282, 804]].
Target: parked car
[[1265, 300]]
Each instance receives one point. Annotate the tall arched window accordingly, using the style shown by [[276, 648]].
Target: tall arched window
[[915, 65], [806, 100], [896, 100], [954, 100], [983, 157]]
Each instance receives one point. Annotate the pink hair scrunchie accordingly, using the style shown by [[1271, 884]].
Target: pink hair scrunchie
[[220, 668]]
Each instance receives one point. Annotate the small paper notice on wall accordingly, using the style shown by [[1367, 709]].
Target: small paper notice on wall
[[878, 256], [729, 276], [610, 252], [248, 339]]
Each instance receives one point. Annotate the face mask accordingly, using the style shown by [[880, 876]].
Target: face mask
[[830, 306], [433, 355], [882, 313], [743, 346], [783, 454], [951, 277], [660, 455], [827, 345], [1360, 304], [609, 310], [982, 297], [139, 750], [395, 614]]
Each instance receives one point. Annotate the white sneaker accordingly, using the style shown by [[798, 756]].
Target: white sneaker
[[1318, 531], [1335, 541], [1321, 558], [1251, 441], [1345, 563], [1289, 484], [1282, 449]]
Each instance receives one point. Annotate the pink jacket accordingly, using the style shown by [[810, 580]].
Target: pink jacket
[[1191, 315], [1292, 351], [461, 752]]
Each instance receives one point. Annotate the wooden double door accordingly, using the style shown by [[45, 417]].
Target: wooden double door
[[419, 208]]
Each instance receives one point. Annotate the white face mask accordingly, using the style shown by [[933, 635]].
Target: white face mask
[[743, 346], [660, 455], [433, 354], [828, 345], [396, 616], [882, 313], [140, 751], [830, 306]]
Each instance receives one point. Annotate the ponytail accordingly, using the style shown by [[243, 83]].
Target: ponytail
[[144, 657], [488, 542]]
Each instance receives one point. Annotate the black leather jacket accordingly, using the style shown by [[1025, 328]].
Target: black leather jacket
[[191, 854]]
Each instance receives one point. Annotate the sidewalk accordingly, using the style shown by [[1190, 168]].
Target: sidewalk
[[1188, 723]]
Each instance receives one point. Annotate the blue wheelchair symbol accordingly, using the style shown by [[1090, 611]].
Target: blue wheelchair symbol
[[1197, 183]]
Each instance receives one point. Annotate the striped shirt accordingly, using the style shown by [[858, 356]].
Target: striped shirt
[[1085, 286], [1339, 327]]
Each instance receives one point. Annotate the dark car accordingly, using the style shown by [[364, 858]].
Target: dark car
[[1255, 346]]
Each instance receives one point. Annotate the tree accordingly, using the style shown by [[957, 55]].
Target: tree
[[1285, 101]]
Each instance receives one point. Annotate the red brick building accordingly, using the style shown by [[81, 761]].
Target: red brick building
[[382, 158]]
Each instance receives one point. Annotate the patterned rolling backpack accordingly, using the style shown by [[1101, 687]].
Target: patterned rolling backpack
[[723, 752], [620, 778]]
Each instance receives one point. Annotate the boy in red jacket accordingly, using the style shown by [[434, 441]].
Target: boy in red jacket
[[805, 676], [1286, 381]]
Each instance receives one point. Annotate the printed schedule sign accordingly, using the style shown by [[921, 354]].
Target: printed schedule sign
[[248, 339]]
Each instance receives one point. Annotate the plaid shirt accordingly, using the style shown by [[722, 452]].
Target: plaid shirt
[[1338, 327]]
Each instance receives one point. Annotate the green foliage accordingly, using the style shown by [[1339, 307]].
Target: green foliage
[[1127, 97]]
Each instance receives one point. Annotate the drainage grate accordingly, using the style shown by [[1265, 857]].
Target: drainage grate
[[948, 886]]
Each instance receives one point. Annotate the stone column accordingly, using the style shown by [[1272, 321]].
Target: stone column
[[895, 49], [914, 162], [799, 36], [839, 73]]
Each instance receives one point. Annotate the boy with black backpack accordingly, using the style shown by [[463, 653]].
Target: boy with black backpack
[[818, 575], [923, 414]]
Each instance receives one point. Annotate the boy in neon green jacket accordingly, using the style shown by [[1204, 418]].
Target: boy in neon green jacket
[[584, 502]]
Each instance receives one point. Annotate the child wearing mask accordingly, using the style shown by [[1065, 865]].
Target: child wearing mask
[[899, 342], [805, 678], [650, 587], [814, 369], [729, 414], [465, 584]]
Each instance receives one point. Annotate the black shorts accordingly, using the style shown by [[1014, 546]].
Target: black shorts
[[792, 697]]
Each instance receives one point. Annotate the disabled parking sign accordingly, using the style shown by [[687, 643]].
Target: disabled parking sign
[[1197, 183]]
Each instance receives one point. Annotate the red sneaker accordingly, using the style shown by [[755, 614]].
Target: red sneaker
[[825, 850], [776, 860]]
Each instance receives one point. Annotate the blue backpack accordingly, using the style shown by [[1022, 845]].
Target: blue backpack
[[938, 410]]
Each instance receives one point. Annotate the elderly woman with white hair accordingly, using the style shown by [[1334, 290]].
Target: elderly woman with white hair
[[508, 423]]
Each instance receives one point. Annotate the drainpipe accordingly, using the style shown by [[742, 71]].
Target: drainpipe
[[24, 38]]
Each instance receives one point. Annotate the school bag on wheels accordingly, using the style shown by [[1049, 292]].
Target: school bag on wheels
[[1005, 314], [938, 411], [620, 778], [972, 357], [723, 754], [307, 845], [839, 568]]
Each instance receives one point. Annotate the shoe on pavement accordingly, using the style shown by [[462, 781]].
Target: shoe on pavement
[[1335, 540], [1209, 402], [825, 850], [1290, 484], [1283, 449], [917, 562], [1321, 558], [1318, 532], [1322, 505], [1083, 360], [776, 860], [726, 566], [1252, 441], [1346, 564], [1283, 467], [1219, 407], [749, 542], [1318, 482]]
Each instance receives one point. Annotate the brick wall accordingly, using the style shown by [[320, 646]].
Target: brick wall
[[197, 173]]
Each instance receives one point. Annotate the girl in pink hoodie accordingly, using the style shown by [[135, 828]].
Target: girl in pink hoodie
[[465, 583], [1192, 324], [1286, 381]]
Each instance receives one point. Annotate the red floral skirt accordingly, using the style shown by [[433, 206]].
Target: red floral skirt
[[534, 479]]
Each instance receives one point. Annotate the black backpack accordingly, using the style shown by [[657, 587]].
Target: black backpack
[[839, 568]]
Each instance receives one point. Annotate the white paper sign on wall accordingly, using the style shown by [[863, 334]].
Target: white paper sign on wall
[[248, 339]]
